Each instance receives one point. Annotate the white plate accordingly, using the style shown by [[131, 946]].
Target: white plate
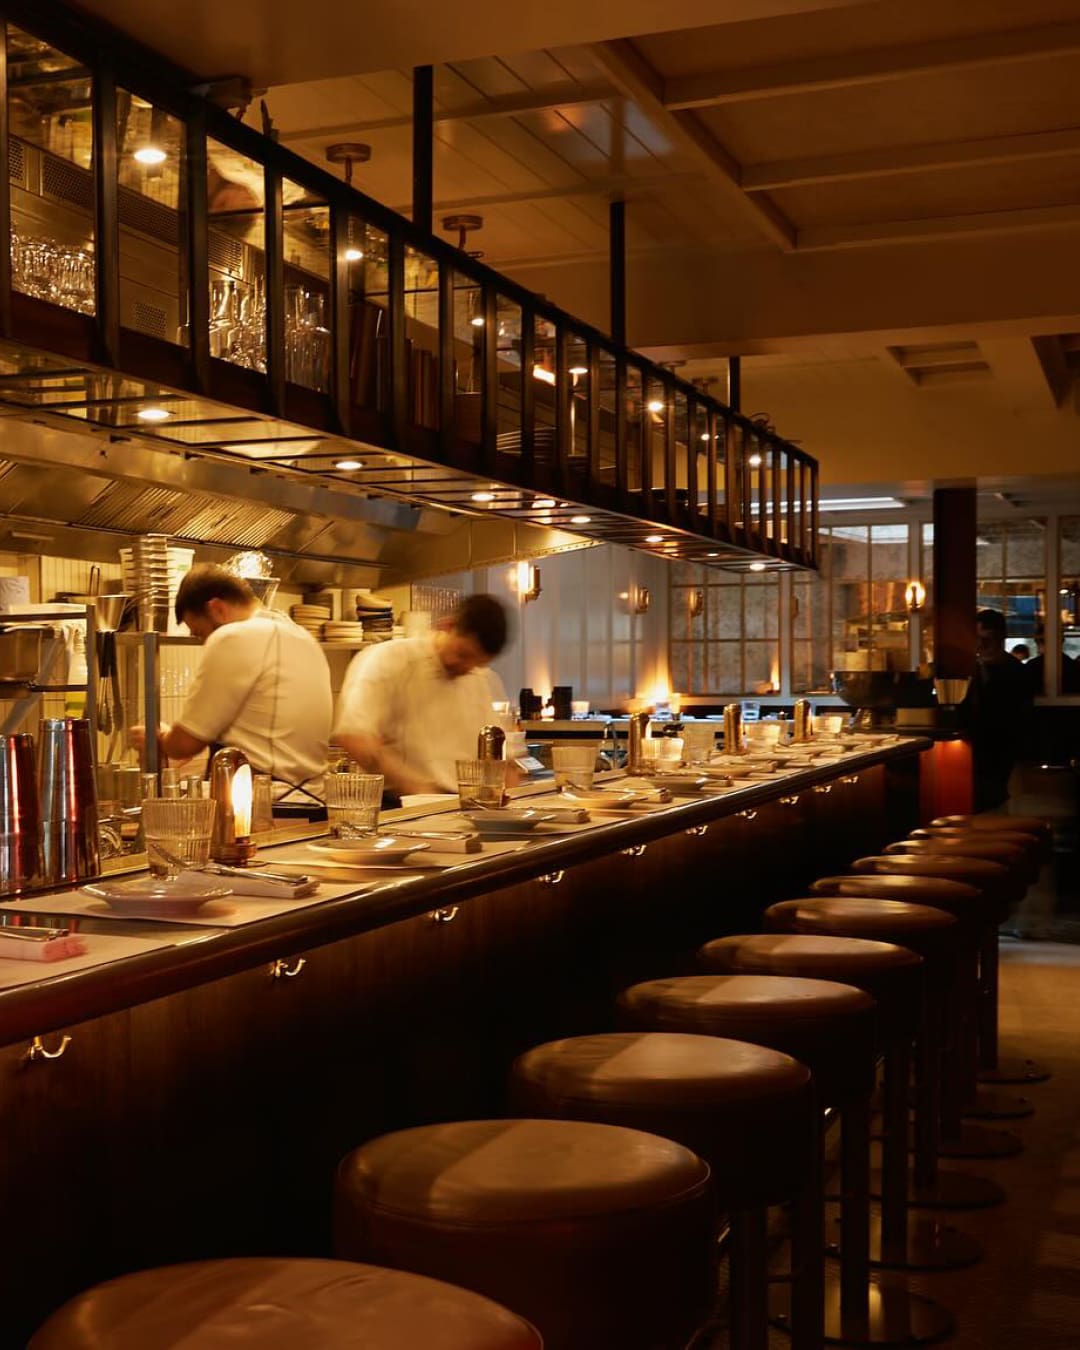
[[607, 800], [679, 782], [148, 895], [382, 849], [505, 822]]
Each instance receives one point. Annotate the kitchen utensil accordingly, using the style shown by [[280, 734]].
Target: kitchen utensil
[[68, 800], [220, 870], [20, 815]]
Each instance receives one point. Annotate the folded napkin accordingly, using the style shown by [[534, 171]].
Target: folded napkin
[[566, 815], [52, 949], [287, 888], [445, 842]]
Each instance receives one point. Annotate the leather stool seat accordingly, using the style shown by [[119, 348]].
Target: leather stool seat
[[747, 1110], [992, 878], [975, 843], [890, 974], [930, 932], [991, 822], [829, 1027], [271, 1304], [1017, 859], [597, 1234], [966, 903]]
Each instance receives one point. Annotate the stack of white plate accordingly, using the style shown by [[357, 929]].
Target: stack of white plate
[[311, 617], [152, 573], [342, 632], [377, 614]]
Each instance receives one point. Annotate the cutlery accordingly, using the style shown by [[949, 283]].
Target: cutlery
[[29, 933], [221, 870]]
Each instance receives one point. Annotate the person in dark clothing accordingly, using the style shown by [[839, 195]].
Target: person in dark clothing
[[996, 711]]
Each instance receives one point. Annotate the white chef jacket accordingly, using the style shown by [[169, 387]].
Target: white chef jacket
[[400, 692], [263, 686]]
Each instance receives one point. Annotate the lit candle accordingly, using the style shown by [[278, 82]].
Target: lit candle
[[242, 793]]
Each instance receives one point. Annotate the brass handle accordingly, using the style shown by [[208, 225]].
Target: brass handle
[[749, 814], [551, 878], [285, 970], [850, 778], [635, 851], [824, 789], [37, 1049], [444, 915], [790, 801], [696, 831]]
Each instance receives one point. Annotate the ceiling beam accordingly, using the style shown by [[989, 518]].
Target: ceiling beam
[[818, 238], [639, 81], [617, 185], [1032, 371], [889, 161], [877, 65], [529, 100]]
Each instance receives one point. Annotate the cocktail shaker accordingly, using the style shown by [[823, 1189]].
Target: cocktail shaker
[[639, 725], [20, 815], [733, 732], [804, 720], [69, 817]]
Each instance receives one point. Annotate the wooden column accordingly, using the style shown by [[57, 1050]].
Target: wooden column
[[423, 130], [954, 582], [617, 270]]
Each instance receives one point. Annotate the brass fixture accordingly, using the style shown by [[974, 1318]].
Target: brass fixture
[[640, 599], [232, 787], [287, 970], [348, 153], [634, 851], [914, 596], [37, 1049], [464, 224], [695, 601], [527, 579], [551, 878], [696, 831], [444, 915]]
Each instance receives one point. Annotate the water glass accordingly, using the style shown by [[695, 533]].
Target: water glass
[[699, 741], [664, 752], [177, 831], [262, 803], [352, 803], [481, 783], [574, 765]]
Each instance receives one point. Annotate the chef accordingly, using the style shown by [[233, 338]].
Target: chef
[[263, 686], [411, 707]]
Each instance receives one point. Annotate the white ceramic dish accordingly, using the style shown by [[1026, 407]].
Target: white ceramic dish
[[505, 822], [599, 800], [163, 898], [380, 849], [679, 782]]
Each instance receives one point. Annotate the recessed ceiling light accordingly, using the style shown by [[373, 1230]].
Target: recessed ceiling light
[[153, 414], [705, 436], [580, 520], [757, 567], [542, 373], [655, 405], [712, 555], [862, 504], [348, 464], [654, 538], [478, 322], [354, 254], [483, 496], [543, 503], [150, 155], [579, 370], [754, 461]]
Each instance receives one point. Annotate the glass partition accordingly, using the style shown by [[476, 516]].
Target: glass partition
[[724, 630], [422, 337], [306, 248], [468, 347], [367, 256], [1010, 566], [236, 198]]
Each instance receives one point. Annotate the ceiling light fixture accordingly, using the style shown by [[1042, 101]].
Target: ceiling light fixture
[[153, 414], [862, 504], [705, 436], [542, 373], [579, 370], [581, 520], [483, 496], [478, 322], [712, 555], [347, 464], [543, 503], [654, 538], [655, 405], [754, 461], [354, 254], [150, 155], [757, 567]]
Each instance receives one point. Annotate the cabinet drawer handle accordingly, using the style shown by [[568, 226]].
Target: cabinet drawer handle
[[287, 970], [824, 789], [790, 801], [635, 851], [696, 831], [748, 814], [850, 778], [37, 1049], [444, 915], [551, 878]]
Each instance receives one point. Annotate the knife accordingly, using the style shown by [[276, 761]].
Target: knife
[[281, 878]]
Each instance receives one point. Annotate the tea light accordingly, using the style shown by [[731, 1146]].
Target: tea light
[[232, 788]]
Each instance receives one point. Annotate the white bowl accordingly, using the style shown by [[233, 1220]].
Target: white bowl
[[379, 849]]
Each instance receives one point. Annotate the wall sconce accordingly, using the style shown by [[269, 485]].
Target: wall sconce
[[695, 602], [914, 596], [528, 582], [640, 600]]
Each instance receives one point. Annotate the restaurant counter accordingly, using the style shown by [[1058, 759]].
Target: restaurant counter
[[189, 1093]]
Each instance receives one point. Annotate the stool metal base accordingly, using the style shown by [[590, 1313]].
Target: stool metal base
[[894, 1316], [991, 1105], [976, 1141], [1015, 1069], [949, 1190], [930, 1245]]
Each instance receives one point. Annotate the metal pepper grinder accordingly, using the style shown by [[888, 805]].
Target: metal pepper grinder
[[639, 725], [733, 732], [804, 720], [490, 742]]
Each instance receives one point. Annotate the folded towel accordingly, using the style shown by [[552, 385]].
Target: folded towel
[[53, 949]]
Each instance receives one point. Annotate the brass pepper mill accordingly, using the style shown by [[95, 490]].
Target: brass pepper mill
[[639, 725], [804, 720], [733, 732], [490, 742], [232, 787]]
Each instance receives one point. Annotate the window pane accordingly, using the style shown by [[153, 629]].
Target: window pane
[[367, 254], [422, 337], [306, 244], [237, 250]]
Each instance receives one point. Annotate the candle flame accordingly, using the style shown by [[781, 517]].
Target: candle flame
[[242, 794]]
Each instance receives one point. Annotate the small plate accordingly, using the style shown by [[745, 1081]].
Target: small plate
[[679, 782], [606, 800], [505, 822], [381, 849], [148, 895]]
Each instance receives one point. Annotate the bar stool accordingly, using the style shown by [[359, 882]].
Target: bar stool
[[975, 911], [937, 937], [893, 976], [998, 884], [1028, 845], [830, 1027], [750, 1112], [598, 1235], [269, 1304], [997, 820]]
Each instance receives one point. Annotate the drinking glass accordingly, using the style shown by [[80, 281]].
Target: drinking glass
[[177, 831], [352, 803], [699, 740], [574, 765], [262, 803], [481, 783]]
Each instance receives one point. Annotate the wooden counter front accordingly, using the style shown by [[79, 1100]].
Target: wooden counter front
[[203, 1102]]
